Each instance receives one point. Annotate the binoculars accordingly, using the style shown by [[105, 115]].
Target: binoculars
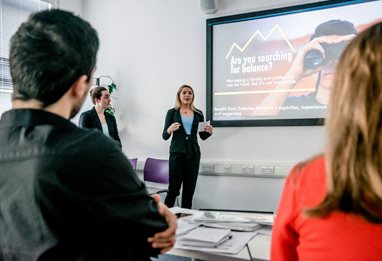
[[314, 58]]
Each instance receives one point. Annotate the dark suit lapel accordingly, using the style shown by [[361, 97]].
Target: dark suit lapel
[[195, 122], [110, 123], [178, 118], [96, 119]]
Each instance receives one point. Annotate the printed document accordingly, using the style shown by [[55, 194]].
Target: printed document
[[205, 237], [230, 246], [202, 125]]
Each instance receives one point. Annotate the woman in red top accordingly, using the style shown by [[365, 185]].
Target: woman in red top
[[331, 206]]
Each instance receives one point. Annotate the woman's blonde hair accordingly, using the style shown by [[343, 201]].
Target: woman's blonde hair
[[178, 103], [354, 131]]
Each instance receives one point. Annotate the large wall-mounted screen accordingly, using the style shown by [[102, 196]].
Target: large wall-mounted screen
[[276, 67]]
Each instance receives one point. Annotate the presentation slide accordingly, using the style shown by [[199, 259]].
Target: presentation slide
[[282, 67]]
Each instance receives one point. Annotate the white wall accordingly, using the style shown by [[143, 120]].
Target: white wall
[[76, 6], [150, 48]]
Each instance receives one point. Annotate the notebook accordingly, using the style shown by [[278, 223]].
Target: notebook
[[231, 217], [241, 227], [206, 237]]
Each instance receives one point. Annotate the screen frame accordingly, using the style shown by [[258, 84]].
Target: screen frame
[[210, 23]]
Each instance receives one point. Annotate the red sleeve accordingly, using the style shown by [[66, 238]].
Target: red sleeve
[[284, 234]]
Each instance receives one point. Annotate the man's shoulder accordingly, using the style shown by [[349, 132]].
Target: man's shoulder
[[39, 133], [78, 142], [89, 139], [85, 113]]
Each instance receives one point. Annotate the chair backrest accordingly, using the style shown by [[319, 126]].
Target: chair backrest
[[156, 170], [133, 162]]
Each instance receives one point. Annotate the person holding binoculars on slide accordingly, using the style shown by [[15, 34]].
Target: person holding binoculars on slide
[[319, 58]]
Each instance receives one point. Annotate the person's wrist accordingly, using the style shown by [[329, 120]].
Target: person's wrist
[[294, 73]]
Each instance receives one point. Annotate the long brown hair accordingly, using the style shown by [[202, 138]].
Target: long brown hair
[[354, 131]]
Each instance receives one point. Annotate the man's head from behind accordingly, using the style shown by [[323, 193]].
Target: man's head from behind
[[49, 53]]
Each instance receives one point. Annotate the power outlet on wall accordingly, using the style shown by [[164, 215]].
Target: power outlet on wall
[[267, 170], [227, 169], [247, 169], [207, 167]]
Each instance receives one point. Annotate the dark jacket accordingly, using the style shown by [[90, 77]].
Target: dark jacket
[[69, 194], [179, 137], [90, 120]]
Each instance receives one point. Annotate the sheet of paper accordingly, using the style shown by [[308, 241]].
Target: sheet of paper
[[265, 230], [184, 227], [206, 234], [233, 217], [220, 217], [202, 125], [241, 227], [178, 210], [231, 246]]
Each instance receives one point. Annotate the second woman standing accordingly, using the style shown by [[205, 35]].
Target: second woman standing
[[182, 123], [97, 118]]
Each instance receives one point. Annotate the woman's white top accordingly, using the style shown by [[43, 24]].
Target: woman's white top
[[105, 129]]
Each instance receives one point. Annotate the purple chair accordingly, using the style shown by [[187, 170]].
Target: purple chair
[[156, 175], [133, 163]]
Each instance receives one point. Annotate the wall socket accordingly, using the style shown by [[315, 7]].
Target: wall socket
[[227, 169], [271, 169], [248, 170], [267, 170], [207, 167]]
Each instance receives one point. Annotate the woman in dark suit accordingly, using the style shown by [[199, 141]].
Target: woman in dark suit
[[97, 118], [182, 123]]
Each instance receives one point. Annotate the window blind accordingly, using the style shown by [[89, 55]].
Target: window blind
[[12, 14]]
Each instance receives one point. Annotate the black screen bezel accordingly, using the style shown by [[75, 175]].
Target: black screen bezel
[[210, 23]]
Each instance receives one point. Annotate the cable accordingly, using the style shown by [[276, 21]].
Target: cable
[[249, 251]]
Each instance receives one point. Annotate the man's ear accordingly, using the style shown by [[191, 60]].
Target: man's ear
[[81, 86]]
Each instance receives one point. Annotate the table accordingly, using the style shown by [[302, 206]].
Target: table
[[258, 248]]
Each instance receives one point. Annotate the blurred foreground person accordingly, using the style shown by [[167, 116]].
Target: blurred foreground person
[[67, 193], [331, 206]]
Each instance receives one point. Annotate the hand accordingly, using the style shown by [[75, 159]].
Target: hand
[[173, 127], [164, 240], [209, 129], [297, 70]]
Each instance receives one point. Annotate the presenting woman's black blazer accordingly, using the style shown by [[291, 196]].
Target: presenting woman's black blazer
[[184, 158], [179, 137], [90, 120]]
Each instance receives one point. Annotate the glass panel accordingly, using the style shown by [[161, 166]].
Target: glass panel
[[12, 14]]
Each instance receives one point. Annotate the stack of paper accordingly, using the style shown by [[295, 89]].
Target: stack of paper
[[194, 232], [206, 237], [234, 221], [245, 227], [185, 227]]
